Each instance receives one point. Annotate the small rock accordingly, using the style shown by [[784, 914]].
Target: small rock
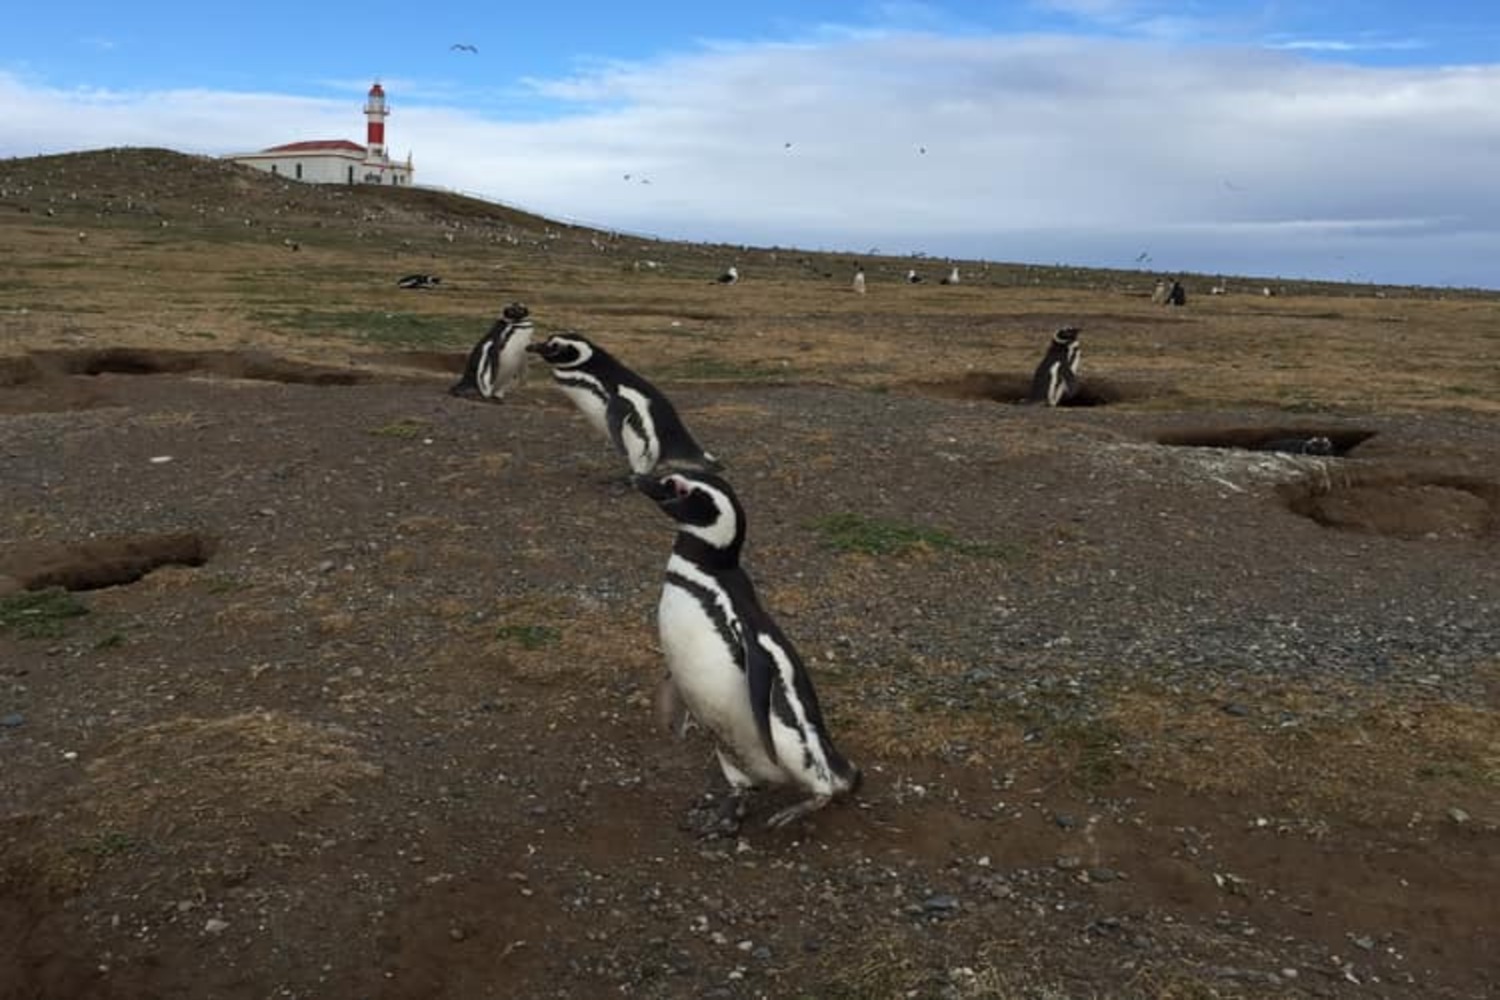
[[214, 925], [1068, 863], [1103, 875], [456, 934], [1235, 708], [327, 566], [942, 903], [1065, 821], [15, 719], [1456, 814]]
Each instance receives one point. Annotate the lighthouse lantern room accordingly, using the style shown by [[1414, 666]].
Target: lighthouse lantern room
[[337, 161]]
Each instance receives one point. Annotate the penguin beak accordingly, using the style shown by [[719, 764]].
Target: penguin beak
[[660, 490]]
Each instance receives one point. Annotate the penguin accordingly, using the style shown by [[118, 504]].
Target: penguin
[[859, 281], [1317, 444], [729, 667], [419, 281], [498, 362], [913, 278], [952, 278], [731, 276], [1056, 378], [639, 421]]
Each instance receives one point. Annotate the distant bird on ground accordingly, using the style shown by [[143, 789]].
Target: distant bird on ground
[[464, 47], [1056, 378], [913, 278], [419, 281], [859, 281], [498, 362], [731, 276], [729, 667], [639, 421], [952, 278]]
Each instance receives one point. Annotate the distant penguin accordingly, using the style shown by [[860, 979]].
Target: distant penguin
[[859, 281], [639, 421], [1159, 293], [913, 278], [498, 362], [1056, 378], [1316, 444], [952, 278], [1176, 295], [729, 666], [419, 281], [731, 276]]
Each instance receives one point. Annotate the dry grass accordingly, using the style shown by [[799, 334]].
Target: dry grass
[[209, 774], [134, 283], [1389, 759]]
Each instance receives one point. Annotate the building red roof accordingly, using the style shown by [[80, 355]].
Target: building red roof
[[317, 145]]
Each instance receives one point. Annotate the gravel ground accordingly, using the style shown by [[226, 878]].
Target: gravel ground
[[393, 738]]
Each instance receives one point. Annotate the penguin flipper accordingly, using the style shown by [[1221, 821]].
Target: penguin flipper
[[760, 672]]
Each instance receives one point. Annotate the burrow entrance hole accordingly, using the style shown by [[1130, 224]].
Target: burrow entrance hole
[[1299, 440], [1411, 505], [105, 562], [253, 365], [998, 387]]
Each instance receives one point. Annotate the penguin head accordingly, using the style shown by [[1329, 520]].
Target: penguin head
[[1067, 335], [515, 312], [565, 350], [702, 504]]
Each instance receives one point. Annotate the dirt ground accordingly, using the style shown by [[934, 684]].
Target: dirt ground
[[316, 682]]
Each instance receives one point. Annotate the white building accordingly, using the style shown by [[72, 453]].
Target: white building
[[337, 161]]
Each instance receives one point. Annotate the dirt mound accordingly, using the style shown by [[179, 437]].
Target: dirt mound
[[226, 770], [106, 562], [1399, 505], [255, 365]]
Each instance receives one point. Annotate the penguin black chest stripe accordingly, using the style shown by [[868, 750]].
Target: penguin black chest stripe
[[715, 607], [583, 380]]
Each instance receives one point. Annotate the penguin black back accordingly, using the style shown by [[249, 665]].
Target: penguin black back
[[638, 418]]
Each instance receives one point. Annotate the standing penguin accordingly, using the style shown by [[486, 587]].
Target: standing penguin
[[859, 281], [952, 278], [498, 362], [731, 276], [728, 665], [639, 421], [1056, 378]]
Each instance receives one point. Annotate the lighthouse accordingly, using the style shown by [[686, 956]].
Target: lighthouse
[[375, 112], [337, 161]]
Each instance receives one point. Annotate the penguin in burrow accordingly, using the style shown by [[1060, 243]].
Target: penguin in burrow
[[1056, 378], [639, 421], [497, 362], [730, 668]]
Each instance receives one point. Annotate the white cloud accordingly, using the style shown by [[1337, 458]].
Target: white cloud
[[1041, 148]]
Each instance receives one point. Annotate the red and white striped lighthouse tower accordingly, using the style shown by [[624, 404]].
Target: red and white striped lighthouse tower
[[375, 112]]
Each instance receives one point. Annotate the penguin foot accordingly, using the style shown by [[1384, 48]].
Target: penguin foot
[[797, 811]]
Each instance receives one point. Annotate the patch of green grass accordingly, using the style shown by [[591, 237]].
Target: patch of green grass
[[39, 614], [109, 843], [223, 583], [849, 532], [396, 329], [530, 636], [404, 429], [111, 641]]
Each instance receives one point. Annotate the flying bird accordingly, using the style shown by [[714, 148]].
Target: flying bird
[[464, 47]]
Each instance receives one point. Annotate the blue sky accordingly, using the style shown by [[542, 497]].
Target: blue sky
[[1344, 140]]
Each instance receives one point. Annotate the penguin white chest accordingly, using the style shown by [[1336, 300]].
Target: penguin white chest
[[705, 668], [513, 357], [588, 396]]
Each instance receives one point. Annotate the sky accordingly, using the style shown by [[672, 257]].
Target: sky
[[1342, 140]]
